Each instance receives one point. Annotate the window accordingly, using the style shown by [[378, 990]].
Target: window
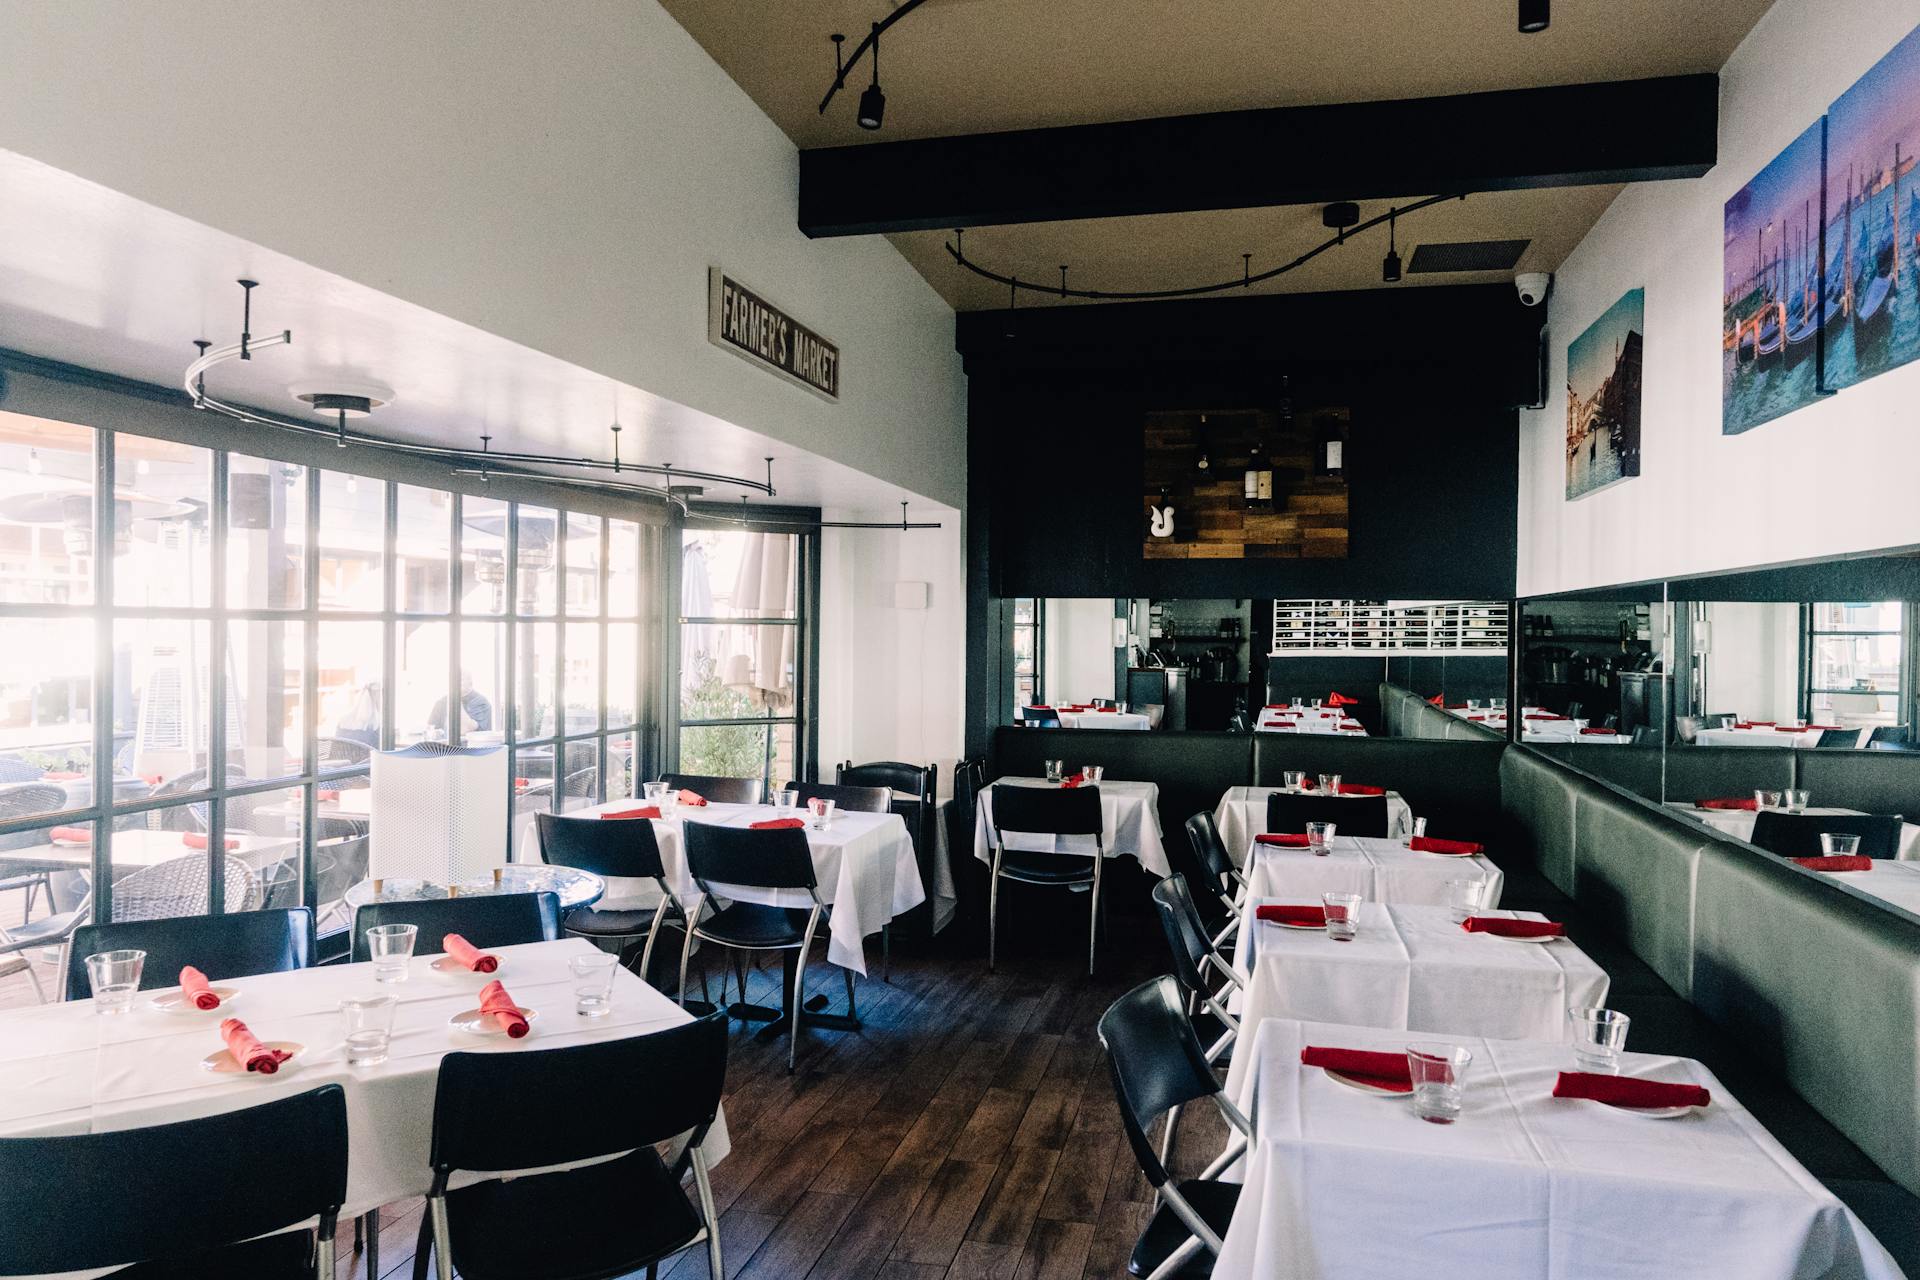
[[1854, 663], [1029, 623]]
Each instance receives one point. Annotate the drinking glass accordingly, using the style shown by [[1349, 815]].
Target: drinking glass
[[1293, 780], [1092, 772], [1580, 726], [669, 802], [1598, 1037], [1056, 769], [115, 976], [1330, 784], [1770, 799], [1797, 801], [1464, 897], [654, 790], [1316, 704], [1498, 704], [1122, 707], [1473, 704], [1343, 915], [369, 1022], [391, 946], [1293, 703], [1439, 1071], [1320, 837], [784, 802], [1835, 844], [593, 984], [822, 810]]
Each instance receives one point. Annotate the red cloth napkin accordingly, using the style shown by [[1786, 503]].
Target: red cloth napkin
[[1354, 728], [1360, 789], [693, 798], [1626, 1091], [466, 954], [1837, 863], [495, 1000], [324, 794], [1481, 718], [644, 811], [1504, 928], [521, 784], [1381, 1070], [1825, 727], [1039, 706], [1107, 710], [1437, 700], [1788, 728], [247, 1049], [1073, 780], [1729, 803], [195, 987], [78, 835], [1282, 841], [195, 840], [1609, 733], [1541, 715], [1761, 724], [1283, 914], [1433, 844], [778, 824], [61, 775], [1341, 700]]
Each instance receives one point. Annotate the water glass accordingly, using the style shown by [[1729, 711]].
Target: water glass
[[1294, 703], [785, 802], [1439, 1073], [1498, 704], [1418, 832], [1056, 769], [1293, 780], [1767, 799], [669, 802], [1797, 801], [1835, 844], [1122, 707], [593, 984], [1316, 704], [391, 947], [1092, 772], [1598, 1037], [115, 976], [654, 790], [1320, 837], [1329, 784], [1343, 915], [822, 810], [1473, 704], [369, 1021], [1464, 898]]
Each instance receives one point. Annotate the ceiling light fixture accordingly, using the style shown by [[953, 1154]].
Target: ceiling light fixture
[[873, 103], [1390, 265], [1535, 16]]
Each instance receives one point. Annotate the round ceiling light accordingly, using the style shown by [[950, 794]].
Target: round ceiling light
[[354, 398]]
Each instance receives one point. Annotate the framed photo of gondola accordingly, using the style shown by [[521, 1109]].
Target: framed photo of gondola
[[1773, 312], [1603, 398]]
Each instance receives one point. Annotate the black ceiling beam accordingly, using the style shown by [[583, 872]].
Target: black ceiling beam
[[1511, 140]]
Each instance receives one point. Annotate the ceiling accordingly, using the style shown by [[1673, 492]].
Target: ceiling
[[976, 66]]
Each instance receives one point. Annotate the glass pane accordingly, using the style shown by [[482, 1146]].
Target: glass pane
[[264, 665], [580, 779], [1860, 663], [66, 863], [159, 875], [420, 686], [1023, 643], [533, 680], [623, 674], [739, 751], [341, 832], [1852, 709], [623, 569], [1023, 610], [46, 511], [538, 554], [582, 686], [351, 665], [483, 660], [162, 708], [583, 563], [420, 549], [46, 712], [733, 671], [736, 573], [620, 779], [353, 539], [263, 833], [160, 539], [1882, 616], [483, 555], [266, 534]]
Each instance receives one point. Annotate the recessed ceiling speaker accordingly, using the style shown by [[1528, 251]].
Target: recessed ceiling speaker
[[342, 396]]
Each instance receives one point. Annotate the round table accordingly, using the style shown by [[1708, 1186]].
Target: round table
[[576, 888]]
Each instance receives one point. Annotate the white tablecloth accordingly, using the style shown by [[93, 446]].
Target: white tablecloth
[[1377, 870], [1307, 720], [1525, 1185], [1895, 883], [1242, 814], [1130, 818], [1761, 737], [863, 861], [1739, 823], [65, 1069], [1104, 720], [1413, 968]]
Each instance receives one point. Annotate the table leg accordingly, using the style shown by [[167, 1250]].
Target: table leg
[[776, 1019]]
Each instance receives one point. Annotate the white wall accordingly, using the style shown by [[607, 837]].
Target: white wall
[[1836, 476], [1079, 654], [1753, 662]]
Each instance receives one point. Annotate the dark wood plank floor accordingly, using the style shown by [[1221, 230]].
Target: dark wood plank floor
[[968, 1131]]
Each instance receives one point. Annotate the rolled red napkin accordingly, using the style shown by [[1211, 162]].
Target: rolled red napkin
[[1434, 844], [1501, 927], [1836, 863], [1761, 724], [1541, 715], [1353, 728], [1041, 706], [73, 835], [1279, 706], [1729, 803], [1824, 727], [61, 775], [778, 824], [693, 798], [1073, 780], [1360, 789], [1282, 841], [1381, 1070], [1627, 1091], [1788, 728], [1479, 718], [521, 784], [325, 794], [247, 1049], [196, 840], [1282, 913], [1608, 733], [468, 956], [495, 1000], [1109, 710], [195, 987], [644, 811]]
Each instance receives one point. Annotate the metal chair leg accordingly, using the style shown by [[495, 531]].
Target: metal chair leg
[[686, 952], [886, 952], [372, 1218], [423, 1248], [1093, 918], [442, 1237], [993, 922]]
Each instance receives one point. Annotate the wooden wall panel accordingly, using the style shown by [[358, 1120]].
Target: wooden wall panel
[[1306, 517]]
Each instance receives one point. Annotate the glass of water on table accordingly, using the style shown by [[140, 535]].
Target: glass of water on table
[[1439, 1072], [115, 977], [369, 1028]]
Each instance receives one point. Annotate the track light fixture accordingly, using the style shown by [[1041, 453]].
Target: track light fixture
[[1390, 265], [1535, 16], [873, 103]]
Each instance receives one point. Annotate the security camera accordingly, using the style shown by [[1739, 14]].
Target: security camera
[[1532, 287]]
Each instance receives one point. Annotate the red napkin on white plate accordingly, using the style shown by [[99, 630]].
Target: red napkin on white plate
[[495, 1000], [1729, 803], [1501, 927], [1599, 732], [1627, 1091], [1284, 913], [693, 798], [1433, 844], [72, 835], [1282, 841], [645, 811], [197, 990], [247, 1049], [1360, 789], [1837, 862], [1381, 1070], [778, 824], [468, 956]]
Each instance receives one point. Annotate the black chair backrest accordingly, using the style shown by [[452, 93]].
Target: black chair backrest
[[914, 780], [485, 920], [1353, 815], [1186, 936], [776, 858], [969, 776], [856, 799], [1889, 733], [718, 790], [1721, 720], [1645, 736], [1156, 1062], [1797, 835], [122, 1197], [24, 799], [1037, 718], [1059, 811], [665, 1084], [1848, 738], [605, 846], [226, 946], [1216, 865]]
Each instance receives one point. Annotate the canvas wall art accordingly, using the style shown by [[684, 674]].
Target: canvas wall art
[[1603, 398], [1772, 312]]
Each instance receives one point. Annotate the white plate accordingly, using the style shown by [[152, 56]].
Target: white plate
[[222, 1063], [176, 1001], [70, 844], [448, 967], [1551, 937], [476, 1023], [1309, 928], [1651, 1113], [1361, 1086]]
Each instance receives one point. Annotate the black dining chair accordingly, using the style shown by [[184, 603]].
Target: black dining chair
[[26, 800], [1158, 1067], [1046, 811], [718, 790], [775, 858], [1222, 880], [485, 920], [855, 799], [602, 1219], [1896, 733], [227, 946], [126, 1198], [960, 822], [912, 791], [1040, 717], [1353, 815], [1193, 955], [1797, 835], [1845, 738], [612, 847]]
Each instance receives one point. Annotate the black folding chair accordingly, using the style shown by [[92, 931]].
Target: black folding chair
[[718, 790], [1218, 876], [485, 920], [1797, 835], [911, 792], [1353, 815], [1040, 717], [570, 1105], [1848, 739], [1047, 811], [1193, 955], [855, 799], [1158, 1067], [623, 848], [125, 1198], [224, 946]]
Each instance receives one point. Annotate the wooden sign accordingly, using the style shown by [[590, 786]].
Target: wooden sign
[[751, 327]]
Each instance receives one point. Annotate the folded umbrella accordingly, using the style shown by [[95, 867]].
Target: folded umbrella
[[198, 991], [494, 1000], [248, 1051], [1837, 862], [468, 956], [1283, 913], [1500, 927], [1627, 1091], [1381, 1070]]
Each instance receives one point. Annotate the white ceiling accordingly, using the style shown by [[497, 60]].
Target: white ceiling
[[95, 278]]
